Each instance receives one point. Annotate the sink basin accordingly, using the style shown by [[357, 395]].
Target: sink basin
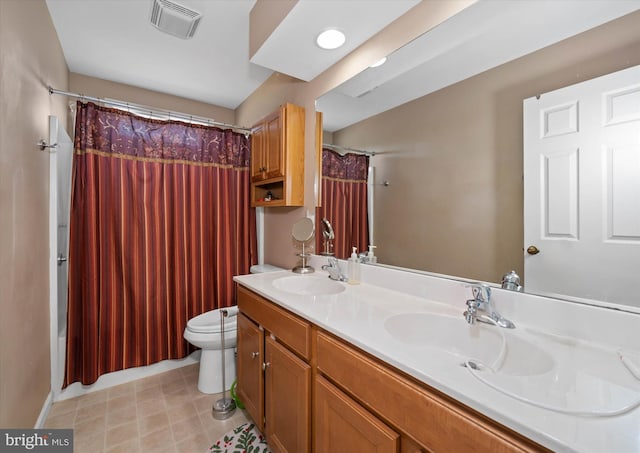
[[306, 285], [480, 342]]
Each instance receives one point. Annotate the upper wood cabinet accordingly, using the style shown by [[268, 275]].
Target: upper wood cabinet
[[277, 158]]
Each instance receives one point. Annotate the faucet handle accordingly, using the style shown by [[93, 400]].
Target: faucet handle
[[511, 281], [470, 313], [480, 291]]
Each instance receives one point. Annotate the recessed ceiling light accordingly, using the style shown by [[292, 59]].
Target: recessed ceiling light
[[380, 62], [330, 39]]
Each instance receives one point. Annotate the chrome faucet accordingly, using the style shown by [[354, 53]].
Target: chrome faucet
[[482, 302], [335, 273], [511, 281]]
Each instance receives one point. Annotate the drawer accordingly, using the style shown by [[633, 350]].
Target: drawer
[[286, 327], [435, 422], [343, 425]]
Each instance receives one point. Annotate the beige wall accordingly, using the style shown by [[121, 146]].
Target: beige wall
[[454, 158], [95, 87], [30, 59]]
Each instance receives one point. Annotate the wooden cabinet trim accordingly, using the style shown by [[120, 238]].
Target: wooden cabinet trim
[[286, 327]]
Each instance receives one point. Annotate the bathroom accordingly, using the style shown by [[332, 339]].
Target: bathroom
[[32, 58]]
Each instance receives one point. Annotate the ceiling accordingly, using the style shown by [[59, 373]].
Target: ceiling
[[483, 36], [114, 40]]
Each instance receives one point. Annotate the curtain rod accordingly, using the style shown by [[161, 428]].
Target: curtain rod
[[165, 114], [344, 149]]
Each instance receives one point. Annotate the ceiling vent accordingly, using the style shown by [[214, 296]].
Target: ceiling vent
[[175, 19]]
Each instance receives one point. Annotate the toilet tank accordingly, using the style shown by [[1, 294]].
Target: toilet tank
[[261, 268]]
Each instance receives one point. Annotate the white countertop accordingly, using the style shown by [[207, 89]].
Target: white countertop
[[586, 375]]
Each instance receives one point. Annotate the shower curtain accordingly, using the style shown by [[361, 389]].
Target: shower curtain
[[160, 224], [344, 201]]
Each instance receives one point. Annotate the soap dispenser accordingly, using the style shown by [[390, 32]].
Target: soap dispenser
[[354, 268], [371, 258]]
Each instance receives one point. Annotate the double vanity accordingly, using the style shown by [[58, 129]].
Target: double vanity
[[391, 365]]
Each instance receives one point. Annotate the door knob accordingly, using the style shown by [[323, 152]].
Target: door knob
[[533, 250]]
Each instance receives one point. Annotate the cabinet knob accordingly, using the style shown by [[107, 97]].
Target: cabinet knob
[[254, 355], [266, 365]]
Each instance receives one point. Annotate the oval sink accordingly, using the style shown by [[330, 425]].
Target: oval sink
[[308, 285], [480, 342]]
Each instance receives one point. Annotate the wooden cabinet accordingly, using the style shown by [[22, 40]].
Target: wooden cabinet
[[341, 424], [277, 158], [249, 368], [274, 378], [287, 393], [359, 402], [266, 148], [429, 421]]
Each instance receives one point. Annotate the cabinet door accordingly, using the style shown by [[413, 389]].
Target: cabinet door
[[258, 142], [341, 424], [250, 376], [287, 400], [274, 149]]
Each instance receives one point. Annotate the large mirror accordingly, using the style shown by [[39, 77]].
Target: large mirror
[[444, 118]]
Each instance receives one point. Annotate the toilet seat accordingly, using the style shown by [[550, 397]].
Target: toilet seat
[[209, 322]]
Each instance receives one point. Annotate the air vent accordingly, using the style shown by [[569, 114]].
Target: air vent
[[175, 19]]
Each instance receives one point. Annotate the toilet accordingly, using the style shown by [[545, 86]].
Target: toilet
[[205, 332]]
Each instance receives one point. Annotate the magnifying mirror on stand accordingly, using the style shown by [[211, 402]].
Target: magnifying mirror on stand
[[327, 234], [302, 232]]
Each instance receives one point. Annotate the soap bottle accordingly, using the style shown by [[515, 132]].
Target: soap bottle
[[354, 268], [371, 258]]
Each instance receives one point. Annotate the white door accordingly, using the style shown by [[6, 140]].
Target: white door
[[582, 189]]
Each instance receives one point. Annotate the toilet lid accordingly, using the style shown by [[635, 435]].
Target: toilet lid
[[209, 322]]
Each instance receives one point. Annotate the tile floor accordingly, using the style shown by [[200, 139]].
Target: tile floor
[[161, 413]]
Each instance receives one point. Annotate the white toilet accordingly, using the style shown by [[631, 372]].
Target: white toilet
[[204, 332]]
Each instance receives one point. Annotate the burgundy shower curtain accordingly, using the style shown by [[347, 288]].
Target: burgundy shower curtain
[[160, 223], [344, 202]]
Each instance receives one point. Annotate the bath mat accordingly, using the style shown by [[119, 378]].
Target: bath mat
[[246, 438]]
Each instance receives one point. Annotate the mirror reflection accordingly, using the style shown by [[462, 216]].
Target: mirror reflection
[[447, 183], [345, 195], [327, 236]]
